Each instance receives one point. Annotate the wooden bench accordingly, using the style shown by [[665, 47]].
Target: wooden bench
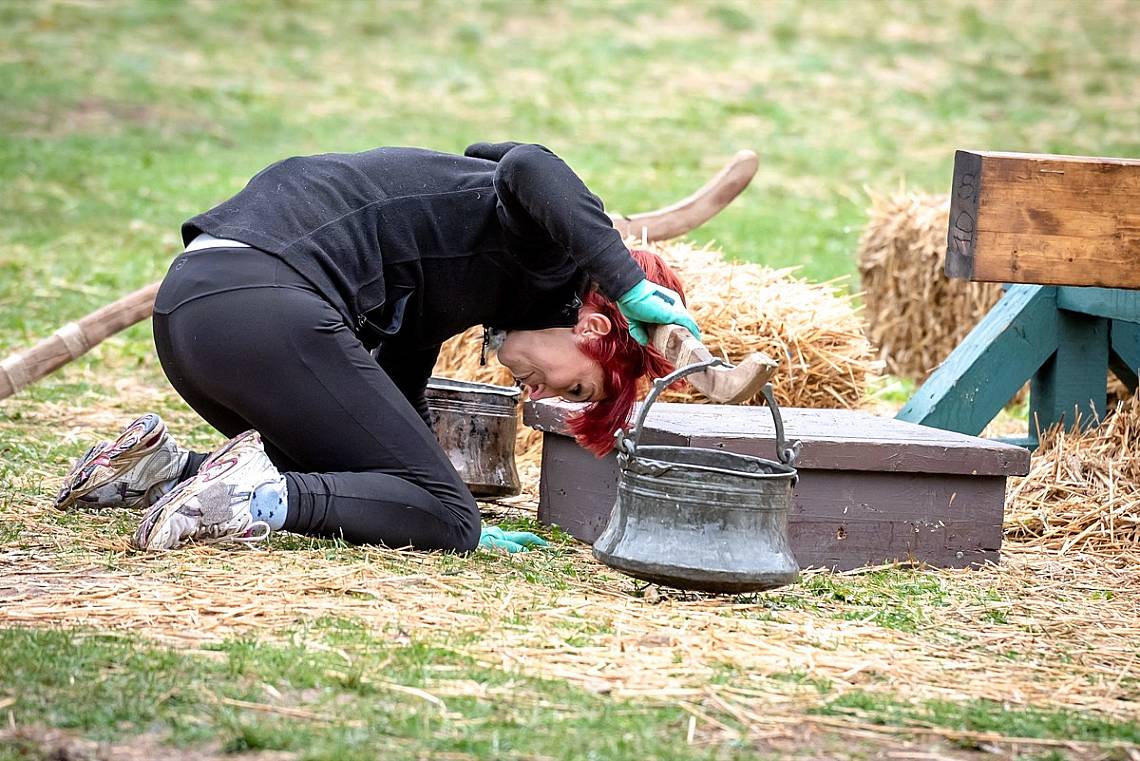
[[871, 489], [1066, 231]]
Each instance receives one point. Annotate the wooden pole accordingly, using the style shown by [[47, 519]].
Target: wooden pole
[[74, 340]]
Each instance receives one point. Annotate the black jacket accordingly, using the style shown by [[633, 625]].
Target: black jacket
[[414, 246]]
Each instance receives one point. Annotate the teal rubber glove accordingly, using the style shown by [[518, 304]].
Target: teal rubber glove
[[649, 303], [494, 538]]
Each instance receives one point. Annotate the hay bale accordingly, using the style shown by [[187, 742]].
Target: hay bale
[[1082, 493], [915, 314], [812, 329]]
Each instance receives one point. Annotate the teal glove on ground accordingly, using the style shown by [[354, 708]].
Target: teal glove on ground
[[494, 537], [648, 303]]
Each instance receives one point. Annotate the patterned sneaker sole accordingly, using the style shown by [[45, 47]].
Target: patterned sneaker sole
[[106, 461], [153, 530]]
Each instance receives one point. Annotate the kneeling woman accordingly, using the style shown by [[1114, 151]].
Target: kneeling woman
[[307, 312]]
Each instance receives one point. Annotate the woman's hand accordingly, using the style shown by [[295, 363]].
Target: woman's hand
[[649, 303], [494, 538]]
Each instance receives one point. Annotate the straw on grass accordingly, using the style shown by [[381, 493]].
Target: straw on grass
[[1082, 493], [1053, 627]]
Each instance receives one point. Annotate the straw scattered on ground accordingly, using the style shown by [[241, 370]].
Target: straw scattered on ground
[[1082, 493], [1053, 627], [599, 632], [915, 314]]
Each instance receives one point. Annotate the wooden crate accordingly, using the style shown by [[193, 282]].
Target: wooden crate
[[871, 489]]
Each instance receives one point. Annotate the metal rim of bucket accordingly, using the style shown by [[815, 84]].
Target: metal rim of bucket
[[628, 457], [641, 464], [450, 384]]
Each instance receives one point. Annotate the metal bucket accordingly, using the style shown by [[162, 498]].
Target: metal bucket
[[476, 424], [701, 519]]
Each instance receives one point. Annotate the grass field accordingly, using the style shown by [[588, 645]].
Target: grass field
[[118, 120]]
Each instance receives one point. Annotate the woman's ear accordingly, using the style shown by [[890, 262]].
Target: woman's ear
[[592, 324]]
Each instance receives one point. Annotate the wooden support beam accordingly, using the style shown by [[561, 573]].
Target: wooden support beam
[[1005, 349], [1110, 303], [1124, 355], [1070, 384], [1042, 219]]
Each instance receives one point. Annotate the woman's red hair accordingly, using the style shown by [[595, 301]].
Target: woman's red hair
[[626, 365]]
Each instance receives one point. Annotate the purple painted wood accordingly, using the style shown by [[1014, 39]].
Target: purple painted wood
[[871, 490], [833, 439], [576, 490], [848, 519]]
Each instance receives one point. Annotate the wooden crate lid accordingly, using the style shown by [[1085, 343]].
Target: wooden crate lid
[[832, 439]]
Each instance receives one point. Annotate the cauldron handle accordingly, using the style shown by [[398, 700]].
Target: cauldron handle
[[628, 444], [786, 454]]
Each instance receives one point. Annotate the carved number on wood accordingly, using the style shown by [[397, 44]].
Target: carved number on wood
[[961, 237], [964, 225]]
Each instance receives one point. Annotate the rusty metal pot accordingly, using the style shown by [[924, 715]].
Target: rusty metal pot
[[701, 519], [476, 424]]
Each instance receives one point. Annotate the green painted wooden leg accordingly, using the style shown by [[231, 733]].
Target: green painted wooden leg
[[1124, 357], [1071, 383], [1006, 348]]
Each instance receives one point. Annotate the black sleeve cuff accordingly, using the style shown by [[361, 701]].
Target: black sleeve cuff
[[489, 151]]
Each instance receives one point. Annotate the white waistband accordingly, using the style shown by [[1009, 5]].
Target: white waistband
[[205, 240]]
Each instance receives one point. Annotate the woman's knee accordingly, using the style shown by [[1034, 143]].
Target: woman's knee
[[468, 526]]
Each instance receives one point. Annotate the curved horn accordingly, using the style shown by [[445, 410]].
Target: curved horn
[[679, 218]]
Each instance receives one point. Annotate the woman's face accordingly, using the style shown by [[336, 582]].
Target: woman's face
[[550, 362]]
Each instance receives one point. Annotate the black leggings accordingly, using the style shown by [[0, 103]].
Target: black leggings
[[248, 343]]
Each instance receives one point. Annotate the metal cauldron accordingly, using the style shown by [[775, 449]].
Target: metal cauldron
[[476, 424], [701, 519]]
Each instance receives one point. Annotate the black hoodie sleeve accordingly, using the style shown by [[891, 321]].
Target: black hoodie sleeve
[[538, 192], [489, 151]]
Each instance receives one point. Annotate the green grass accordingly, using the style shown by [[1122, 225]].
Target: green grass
[[119, 120], [893, 598], [985, 717], [348, 694], [342, 699]]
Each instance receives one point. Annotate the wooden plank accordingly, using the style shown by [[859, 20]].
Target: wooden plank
[[576, 490], [1110, 303], [1042, 219], [846, 519], [837, 439], [885, 456], [1070, 384], [1124, 355], [1064, 175], [1004, 350], [1058, 260], [1034, 219]]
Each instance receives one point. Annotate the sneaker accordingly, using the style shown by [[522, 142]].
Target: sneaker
[[134, 470], [214, 505]]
